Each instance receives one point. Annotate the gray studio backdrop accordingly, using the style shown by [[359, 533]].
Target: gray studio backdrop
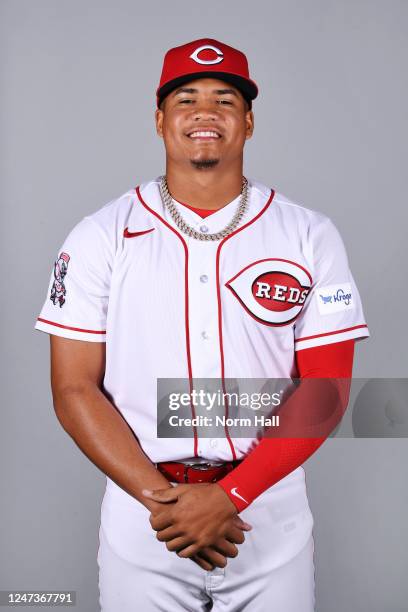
[[78, 81]]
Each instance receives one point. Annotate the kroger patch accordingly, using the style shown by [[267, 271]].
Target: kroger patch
[[334, 298]]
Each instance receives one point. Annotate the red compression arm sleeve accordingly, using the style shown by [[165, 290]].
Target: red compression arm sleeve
[[275, 458]]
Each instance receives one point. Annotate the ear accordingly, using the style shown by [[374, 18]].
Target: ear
[[249, 124], [159, 116]]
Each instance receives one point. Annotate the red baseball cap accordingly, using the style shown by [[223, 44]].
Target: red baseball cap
[[202, 58]]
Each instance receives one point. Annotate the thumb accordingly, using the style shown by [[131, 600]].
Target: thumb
[[161, 495]]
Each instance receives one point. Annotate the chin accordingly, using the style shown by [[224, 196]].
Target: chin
[[204, 163]]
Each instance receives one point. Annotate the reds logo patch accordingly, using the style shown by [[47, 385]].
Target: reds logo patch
[[273, 291], [58, 289]]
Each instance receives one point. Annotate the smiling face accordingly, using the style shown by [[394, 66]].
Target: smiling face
[[204, 124]]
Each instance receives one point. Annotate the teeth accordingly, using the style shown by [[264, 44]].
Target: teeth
[[204, 135]]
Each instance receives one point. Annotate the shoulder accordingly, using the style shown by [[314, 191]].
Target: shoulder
[[102, 229], [297, 209], [302, 218], [108, 216], [117, 214]]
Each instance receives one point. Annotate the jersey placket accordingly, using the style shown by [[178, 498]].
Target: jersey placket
[[203, 312], [204, 323], [202, 291]]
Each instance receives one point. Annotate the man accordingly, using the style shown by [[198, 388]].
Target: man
[[201, 274]]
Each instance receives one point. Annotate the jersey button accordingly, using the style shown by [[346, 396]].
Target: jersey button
[[203, 278], [204, 229], [205, 335]]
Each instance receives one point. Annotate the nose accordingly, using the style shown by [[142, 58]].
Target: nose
[[205, 110]]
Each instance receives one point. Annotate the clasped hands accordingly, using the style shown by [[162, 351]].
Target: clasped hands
[[197, 521]]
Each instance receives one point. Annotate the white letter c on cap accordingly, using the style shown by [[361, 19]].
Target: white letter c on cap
[[217, 60]]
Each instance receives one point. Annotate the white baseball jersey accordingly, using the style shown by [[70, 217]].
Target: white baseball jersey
[[171, 306]]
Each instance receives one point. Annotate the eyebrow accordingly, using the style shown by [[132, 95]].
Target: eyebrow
[[192, 90]]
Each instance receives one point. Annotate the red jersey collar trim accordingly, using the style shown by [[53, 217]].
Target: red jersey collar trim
[[148, 195]]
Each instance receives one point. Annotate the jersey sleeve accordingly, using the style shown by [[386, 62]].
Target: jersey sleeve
[[77, 298], [333, 311]]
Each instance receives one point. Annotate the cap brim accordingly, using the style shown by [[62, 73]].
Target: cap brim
[[247, 87]]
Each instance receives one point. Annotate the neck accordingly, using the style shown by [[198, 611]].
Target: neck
[[209, 188]]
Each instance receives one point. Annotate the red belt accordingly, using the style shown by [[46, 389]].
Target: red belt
[[175, 471]]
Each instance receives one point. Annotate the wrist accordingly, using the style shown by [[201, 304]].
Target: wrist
[[225, 499], [233, 492], [150, 504]]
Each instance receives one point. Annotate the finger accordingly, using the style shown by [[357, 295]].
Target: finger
[[211, 556], [178, 544], [160, 521], [225, 548], [242, 524], [162, 495], [235, 535], [166, 535], [186, 551], [205, 565]]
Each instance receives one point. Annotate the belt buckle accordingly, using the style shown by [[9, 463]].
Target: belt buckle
[[185, 473], [205, 465], [199, 467]]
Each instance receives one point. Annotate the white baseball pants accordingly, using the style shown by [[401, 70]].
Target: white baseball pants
[[274, 571]]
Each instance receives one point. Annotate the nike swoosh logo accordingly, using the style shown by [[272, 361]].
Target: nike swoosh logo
[[127, 234], [234, 492]]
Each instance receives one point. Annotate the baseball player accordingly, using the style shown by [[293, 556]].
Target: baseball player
[[200, 273]]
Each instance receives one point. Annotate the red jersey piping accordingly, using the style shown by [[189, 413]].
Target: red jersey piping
[[337, 331], [223, 241], [186, 318], [87, 331]]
